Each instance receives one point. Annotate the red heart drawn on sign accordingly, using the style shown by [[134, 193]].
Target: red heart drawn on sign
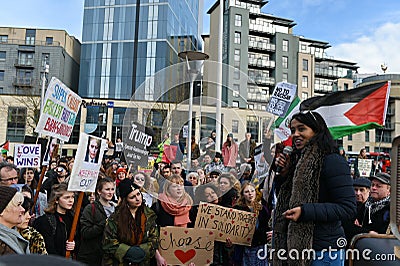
[[165, 233], [205, 205], [247, 225], [208, 261], [233, 221], [221, 234], [212, 216], [248, 239], [186, 231], [185, 256], [211, 233], [230, 210]]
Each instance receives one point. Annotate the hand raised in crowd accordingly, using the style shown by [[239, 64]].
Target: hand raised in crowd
[[293, 214]]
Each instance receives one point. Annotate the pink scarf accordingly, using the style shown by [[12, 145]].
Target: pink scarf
[[180, 210]]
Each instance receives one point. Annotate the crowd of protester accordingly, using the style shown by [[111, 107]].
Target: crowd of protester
[[303, 200]]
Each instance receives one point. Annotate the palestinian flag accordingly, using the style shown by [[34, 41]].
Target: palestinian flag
[[5, 146], [352, 111]]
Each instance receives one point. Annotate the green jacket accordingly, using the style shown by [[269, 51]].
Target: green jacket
[[114, 250]]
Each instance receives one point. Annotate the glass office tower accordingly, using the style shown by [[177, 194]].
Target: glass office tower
[[124, 42]]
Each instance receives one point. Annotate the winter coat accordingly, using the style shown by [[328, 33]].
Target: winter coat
[[229, 154], [55, 229], [336, 202], [115, 251], [246, 150], [36, 240], [93, 221], [11, 242]]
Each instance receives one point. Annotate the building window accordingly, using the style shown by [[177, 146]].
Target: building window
[[236, 73], [1, 89], [30, 37], [25, 59], [349, 148], [235, 104], [305, 65], [304, 96], [304, 82], [49, 40], [238, 20], [350, 137], [250, 106], [2, 55], [285, 62], [366, 136], [284, 77], [252, 127], [235, 126], [237, 58], [16, 122], [285, 45], [367, 148], [236, 89], [3, 38], [1, 75], [237, 38], [346, 86]]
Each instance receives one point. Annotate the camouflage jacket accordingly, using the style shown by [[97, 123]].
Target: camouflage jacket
[[114, 250]]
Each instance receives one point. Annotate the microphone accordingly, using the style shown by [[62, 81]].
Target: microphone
[[286, 151]]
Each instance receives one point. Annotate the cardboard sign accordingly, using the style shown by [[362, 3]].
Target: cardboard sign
[[87, 163], [27, 155], [364, 167], [61, 106], [136, 143], [281, 98], [181, 246], [238, 225]]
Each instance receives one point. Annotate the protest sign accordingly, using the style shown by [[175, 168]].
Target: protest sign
[[87, 163], [181, 246], [238, 225], [27, 155], [61, 106], [281, 98], [364, 167], [136, 143]]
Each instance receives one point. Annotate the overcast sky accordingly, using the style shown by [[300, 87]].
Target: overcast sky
[[363, 31]]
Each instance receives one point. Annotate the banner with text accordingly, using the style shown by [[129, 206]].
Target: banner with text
[[136, 143], [27, 155], [61, 106], [181, 246], [87, 163], [281, 98], [365, 167], [238, 225]]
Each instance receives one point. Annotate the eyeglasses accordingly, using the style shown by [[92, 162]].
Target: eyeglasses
[[9, 179]]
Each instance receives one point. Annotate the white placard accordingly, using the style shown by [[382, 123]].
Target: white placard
[[281, 98], [27, 155], [61, 106], [87, 163]]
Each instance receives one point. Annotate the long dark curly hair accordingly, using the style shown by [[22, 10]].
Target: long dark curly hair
[[129, 228]]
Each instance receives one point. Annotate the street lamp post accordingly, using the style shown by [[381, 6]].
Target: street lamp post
[[45, 71], [194, 62]]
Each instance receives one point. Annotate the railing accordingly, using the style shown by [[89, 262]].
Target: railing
[[262, 45], [261, 62], [24, 82], [23, 63], [30, 43]]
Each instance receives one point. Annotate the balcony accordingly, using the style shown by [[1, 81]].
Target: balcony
[[260, 80], [326, 73], [24, 82], [262, 28], [261, 63], [23, 63], [262, 46]]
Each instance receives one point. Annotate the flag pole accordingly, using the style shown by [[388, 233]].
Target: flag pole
[[39, 185]]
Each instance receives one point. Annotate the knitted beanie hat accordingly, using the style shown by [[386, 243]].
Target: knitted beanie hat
[[6, 195]]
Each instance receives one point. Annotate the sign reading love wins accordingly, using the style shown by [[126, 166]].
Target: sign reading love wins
[[238, 225], [181, 246]]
